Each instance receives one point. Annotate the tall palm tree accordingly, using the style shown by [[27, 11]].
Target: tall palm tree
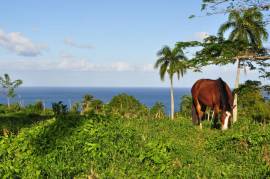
[[246, 26], [171, 61], [9, 86]]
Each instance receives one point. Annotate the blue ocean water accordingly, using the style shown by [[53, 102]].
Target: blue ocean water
[[69, 95]]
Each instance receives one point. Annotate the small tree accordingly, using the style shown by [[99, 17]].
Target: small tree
[[252, 102], [185, 105], [9, 87], [86, 103], [158, 110], [97, 105], [59, 108], [75, 107], [127, 106]]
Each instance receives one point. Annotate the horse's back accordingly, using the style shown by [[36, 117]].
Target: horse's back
[[208, 90], [203, 85]]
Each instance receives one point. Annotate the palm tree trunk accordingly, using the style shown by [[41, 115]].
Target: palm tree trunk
[[236, 85], [172, 100]]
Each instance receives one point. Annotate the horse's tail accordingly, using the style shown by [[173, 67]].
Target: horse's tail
[[194, 113], [224, 100]]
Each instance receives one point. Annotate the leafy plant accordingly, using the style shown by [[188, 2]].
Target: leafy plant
[[59, 108], [158, 110], [185, 105], [9, 86], [127, 106], [252, 102], [75, 108]]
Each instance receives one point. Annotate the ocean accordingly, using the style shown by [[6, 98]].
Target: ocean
[[70, 95]]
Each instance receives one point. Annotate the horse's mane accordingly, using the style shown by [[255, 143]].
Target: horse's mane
[[223, 95]]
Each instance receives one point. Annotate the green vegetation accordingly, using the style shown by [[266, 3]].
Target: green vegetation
[[126, 139], [252, 103], [9, 87], [106, 146], [127, 106]]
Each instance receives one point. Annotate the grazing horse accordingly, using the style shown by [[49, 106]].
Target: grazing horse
[[215, 94]]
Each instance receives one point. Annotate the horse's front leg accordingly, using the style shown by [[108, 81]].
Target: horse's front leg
[[216, 111]]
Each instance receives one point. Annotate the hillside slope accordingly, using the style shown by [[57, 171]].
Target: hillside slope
[[107, 146]]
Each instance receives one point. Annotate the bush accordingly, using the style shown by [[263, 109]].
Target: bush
[[86, 103], [158, 111], [15, 107], [59, 108], [185, 105], [127, 106], [75, 108], [38, 107], [251, 102]]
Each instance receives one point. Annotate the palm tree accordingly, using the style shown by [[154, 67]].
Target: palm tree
[[246, 26], [171, 61], [86, 103], [9, 87]]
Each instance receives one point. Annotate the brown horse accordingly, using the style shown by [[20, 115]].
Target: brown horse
[[215, 94]]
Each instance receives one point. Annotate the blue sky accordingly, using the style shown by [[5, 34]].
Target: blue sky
[[100, 43]]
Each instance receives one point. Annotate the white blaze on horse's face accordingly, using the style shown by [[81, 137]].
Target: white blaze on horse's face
[[226, 120]]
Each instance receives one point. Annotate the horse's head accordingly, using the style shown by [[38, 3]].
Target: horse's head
[[225, 118]]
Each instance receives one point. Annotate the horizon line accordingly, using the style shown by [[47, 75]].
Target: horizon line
[[101, 87]]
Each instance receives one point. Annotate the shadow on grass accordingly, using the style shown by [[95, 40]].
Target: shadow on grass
[[13, 122], [49, 137]]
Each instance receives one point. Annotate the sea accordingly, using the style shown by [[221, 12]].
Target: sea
[[69, 95]]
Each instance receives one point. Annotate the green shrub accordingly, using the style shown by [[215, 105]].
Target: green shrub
[[110, 147], [185, 105], [127, 106], [157, 111], [38, 107], [251, 102], [75, 108], [15, 107], [59, 108]]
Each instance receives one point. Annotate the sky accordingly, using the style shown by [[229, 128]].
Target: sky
[[101, 43]]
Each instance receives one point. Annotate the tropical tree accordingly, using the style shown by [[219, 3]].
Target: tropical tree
[[9, 87], [75, 108], [86, 103], [158, 110], [247, 27], [226, 6], [97, 105], [252, 102], [185, 105], [171, 61], [127, 106]]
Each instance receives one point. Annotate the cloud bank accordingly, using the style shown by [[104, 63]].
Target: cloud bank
[[69, 64], [16, 43]]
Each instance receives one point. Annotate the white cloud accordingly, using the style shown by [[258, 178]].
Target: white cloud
[[72, 43], [70, 63], [19, 44]]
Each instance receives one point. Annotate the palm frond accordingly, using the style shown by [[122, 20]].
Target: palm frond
[[163, 70]]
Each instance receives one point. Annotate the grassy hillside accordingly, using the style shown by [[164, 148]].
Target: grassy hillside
[[103, 146]]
